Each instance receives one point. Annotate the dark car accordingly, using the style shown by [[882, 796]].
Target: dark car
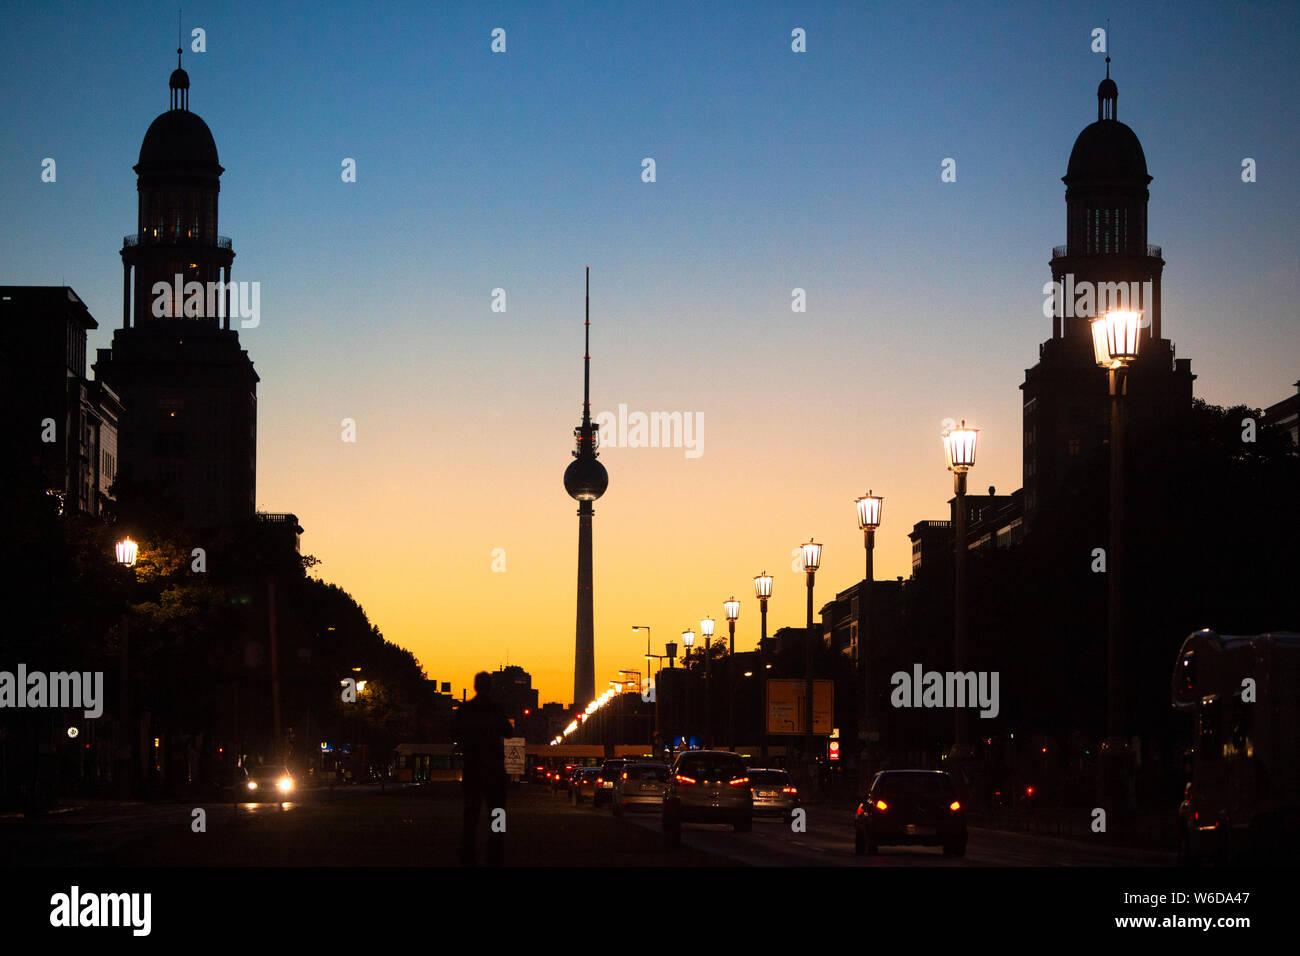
[[271, 782], [640, 785], [586, 783], [917, 807], [610, 772], [774, 793], [707, 786]]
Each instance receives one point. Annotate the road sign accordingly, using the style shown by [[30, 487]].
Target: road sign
[[515, 754], [786, 706]]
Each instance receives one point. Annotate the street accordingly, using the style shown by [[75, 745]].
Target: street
[[419, 826]]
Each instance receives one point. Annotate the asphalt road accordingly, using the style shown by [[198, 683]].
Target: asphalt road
[[828, 841], [421, 827]]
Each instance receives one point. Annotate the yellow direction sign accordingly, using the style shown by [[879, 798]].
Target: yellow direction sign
[[786, 703]]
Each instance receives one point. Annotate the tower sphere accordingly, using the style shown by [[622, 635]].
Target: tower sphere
[[586, 478]]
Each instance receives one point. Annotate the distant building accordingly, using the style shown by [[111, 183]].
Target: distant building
[[512, 688], [1286, 413], [61, 425]]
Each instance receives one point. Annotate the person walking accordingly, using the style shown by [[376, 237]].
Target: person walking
[[480, 728]]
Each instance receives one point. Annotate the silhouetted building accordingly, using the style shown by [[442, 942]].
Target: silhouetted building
[[931, 545], [1106, 255], [189, 431], [61, 426], [1286, 414], [512, 688]]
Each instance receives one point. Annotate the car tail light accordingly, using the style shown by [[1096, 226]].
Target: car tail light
[[685, 780], [882, 806], [624, 774], [789, 789], [954, 806], [600, 779], [739, 782]]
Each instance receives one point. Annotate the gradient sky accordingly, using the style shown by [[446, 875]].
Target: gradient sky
[[775, 170]]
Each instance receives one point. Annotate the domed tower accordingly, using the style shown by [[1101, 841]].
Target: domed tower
[[1106, 257], [585, 480], [178, 179], [188, 435], [1106, 217]]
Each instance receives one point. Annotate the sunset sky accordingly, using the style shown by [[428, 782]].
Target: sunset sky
[[775, 170]]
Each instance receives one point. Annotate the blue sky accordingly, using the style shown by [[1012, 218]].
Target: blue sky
[[775, 170]]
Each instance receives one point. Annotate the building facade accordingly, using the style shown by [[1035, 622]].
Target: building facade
[[189, 430]]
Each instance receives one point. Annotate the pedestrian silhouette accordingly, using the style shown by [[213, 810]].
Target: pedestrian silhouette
[[480, 728]]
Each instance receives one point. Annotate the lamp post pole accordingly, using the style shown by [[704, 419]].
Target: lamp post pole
[[812, 556], [959, 446], [763, 591], [1115, 339], [688, 640], [732, 607], [706, 628], [869, 508], [126, 551]]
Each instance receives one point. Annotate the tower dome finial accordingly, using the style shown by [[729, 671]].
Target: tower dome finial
[[179, 84], [1107, 96]]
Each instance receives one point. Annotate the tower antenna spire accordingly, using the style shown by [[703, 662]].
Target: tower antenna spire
[[178, 37], [586, 358], [1108, 48]]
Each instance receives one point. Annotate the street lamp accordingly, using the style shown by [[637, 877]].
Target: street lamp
[[1115, 338], [869, 508], [812, 559], [763, 591], [732, 609], [688, 641], [959, 448], [648, 655], [125, 552], [706, 629]]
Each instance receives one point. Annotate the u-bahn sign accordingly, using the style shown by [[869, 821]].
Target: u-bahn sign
[[786, 705]]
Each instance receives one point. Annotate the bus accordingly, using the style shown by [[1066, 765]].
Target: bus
[[1243, 799], [420, 763]]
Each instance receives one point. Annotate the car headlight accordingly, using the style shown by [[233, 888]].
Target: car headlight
[[252, 785], [286, 784]]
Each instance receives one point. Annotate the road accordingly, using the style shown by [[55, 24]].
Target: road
[[420, 827], [828, 841]]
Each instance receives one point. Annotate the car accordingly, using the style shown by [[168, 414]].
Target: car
[[918, 807], [707, 786], [774, 793], [271, 782], [559, 777], [586, 783], [610, 771], [640, 785]]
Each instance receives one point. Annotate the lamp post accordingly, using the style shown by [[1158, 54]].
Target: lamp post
[[125, 551], [732, 609], [706, 629], [688, 641], [869, 507], [812, 559], [670, 651], [1115, 338], [763, 591], [648, 655], [959, 447]]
